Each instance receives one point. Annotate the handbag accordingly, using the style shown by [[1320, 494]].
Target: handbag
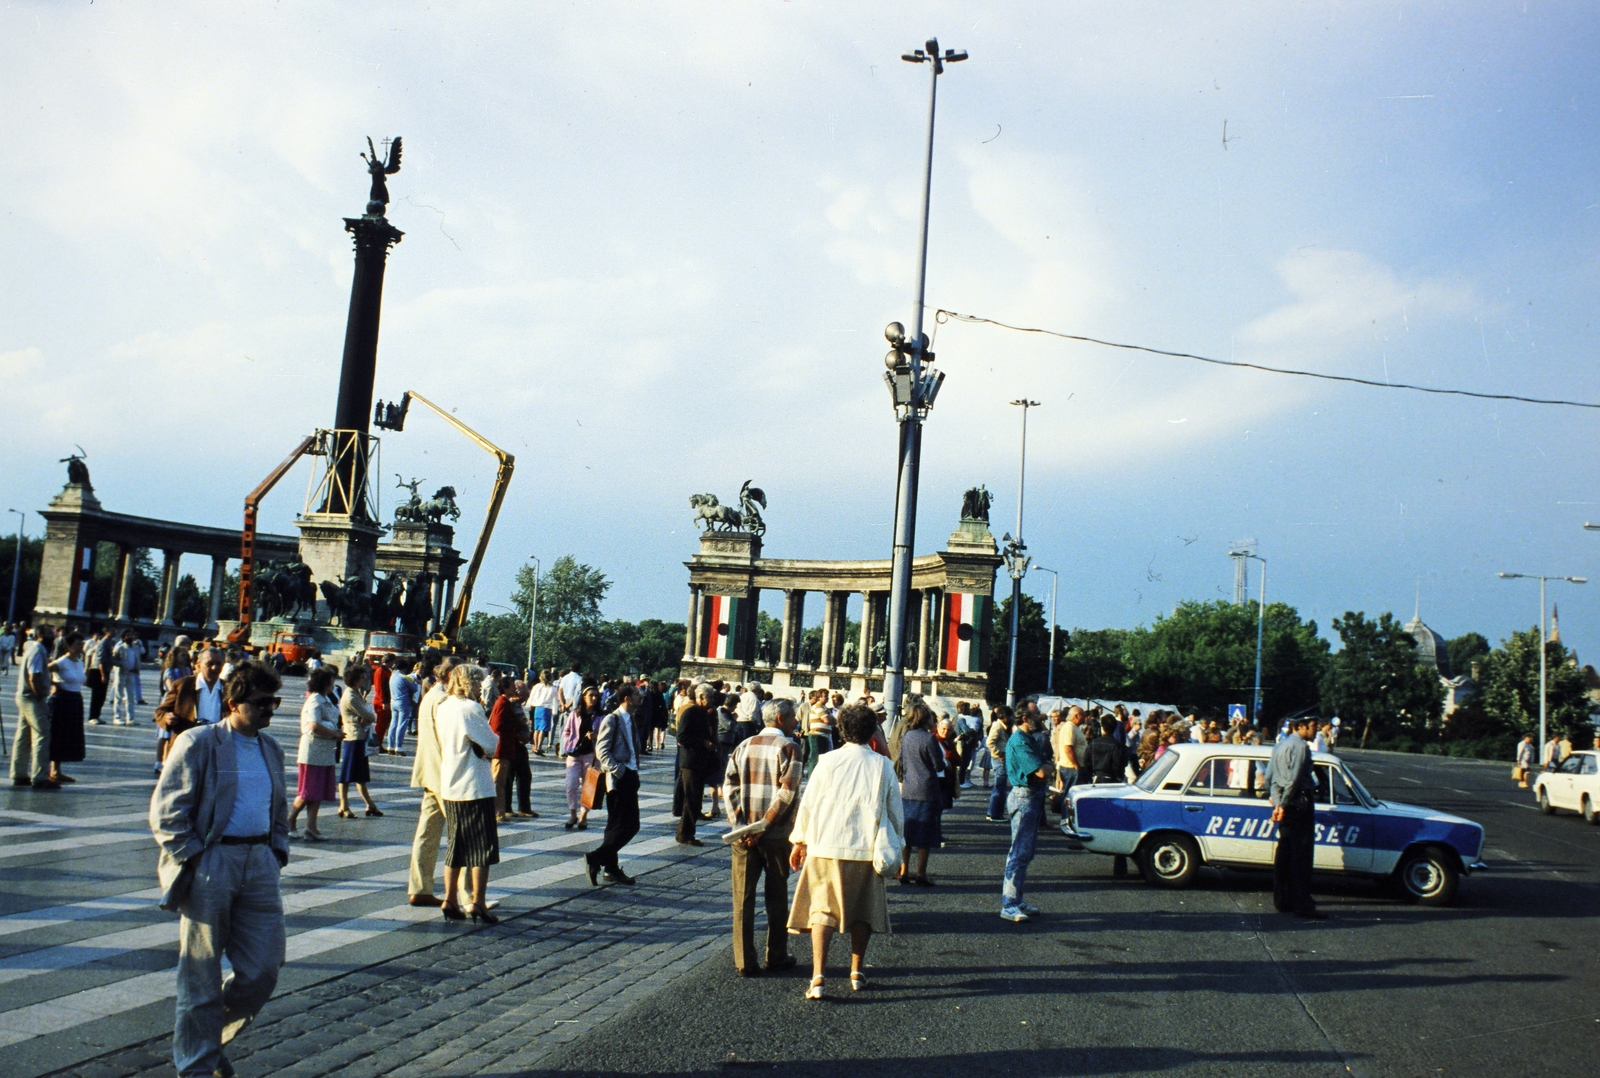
[[887, 850], [1516, 772], [594, 788]]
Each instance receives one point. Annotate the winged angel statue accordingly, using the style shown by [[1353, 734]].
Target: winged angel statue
[[378, 168]]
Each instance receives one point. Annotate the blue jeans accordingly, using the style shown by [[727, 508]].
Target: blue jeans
[[399, 726], [997, 794], [1061, 800], [1026, 809]]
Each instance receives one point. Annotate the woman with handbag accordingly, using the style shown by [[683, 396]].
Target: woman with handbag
[[466, 789], [577, 745], [848, 834]]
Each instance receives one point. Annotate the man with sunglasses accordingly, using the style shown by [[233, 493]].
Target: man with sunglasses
[[219, 815]]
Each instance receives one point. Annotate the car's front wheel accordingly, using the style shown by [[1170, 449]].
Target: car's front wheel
[[1544, 802], [1590, 813], [1169, 860], [1428, 877]]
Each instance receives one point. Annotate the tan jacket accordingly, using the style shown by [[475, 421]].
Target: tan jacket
[[193, 797], [356, 715], [425, 769], [996, 741]]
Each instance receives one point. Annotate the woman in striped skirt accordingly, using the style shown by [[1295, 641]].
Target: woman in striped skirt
[[466, 787]]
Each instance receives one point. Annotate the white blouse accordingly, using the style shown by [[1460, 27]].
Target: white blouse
[[459, 723]]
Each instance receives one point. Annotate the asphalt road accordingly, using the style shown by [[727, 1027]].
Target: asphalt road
[[1121, 978]]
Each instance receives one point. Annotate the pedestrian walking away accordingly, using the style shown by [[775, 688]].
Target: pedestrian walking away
[[616, 752], [921, 765], [218, 815], [425, 776], [998, 737], [697, 758], [466, 790], [849, 832], [1027, 765], [762, 786], [1293, 789]]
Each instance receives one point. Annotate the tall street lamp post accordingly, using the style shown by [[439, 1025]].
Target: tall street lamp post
[[913, 385], [16, 569], [1543, 640], [1050, 676], [1016, 556], [1261, 620], [533, 614]]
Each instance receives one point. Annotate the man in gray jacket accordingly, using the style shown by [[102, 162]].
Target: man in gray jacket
[[219, 815], [616, 752]]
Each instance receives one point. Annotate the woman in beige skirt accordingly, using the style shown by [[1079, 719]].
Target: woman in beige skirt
[[853, 795]]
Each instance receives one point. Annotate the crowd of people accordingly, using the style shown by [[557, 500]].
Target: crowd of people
[[816, 788]]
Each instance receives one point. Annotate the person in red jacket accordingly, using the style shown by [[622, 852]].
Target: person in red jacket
[[381, 670], [507, 720]]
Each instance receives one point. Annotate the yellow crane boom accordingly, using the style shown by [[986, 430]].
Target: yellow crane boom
[[506, 462]]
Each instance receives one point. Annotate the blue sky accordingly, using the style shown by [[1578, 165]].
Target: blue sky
[[650, 250]]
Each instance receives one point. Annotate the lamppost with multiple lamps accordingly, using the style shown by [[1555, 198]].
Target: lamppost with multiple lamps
[[1016, 553], [913, 385], [1543, 641]]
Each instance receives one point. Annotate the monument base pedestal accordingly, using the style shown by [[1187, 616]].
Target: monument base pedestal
[[338, 549]]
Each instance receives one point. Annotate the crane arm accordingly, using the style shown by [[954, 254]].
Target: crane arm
[[247, 543], [458, 614]]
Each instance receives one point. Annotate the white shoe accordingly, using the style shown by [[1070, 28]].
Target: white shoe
[[1014, 914], [815, 991]]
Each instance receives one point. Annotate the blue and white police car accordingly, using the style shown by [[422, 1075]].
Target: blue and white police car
[[1207, 805]]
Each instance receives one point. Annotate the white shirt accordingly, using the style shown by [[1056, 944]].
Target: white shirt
[[67, 672], [571, 685], [208, 704], [252, 804], [459, 723], [852, 793], [542, 696]]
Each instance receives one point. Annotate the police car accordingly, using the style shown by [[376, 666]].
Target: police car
[[1208, 804]]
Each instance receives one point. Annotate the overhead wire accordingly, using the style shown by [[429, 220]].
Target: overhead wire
[[942, 315]]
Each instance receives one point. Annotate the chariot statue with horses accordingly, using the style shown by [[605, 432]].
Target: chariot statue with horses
[[716, 517]]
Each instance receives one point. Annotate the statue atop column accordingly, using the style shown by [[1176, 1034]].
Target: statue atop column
[[716, 517], [975, 504], [77, 470], [378, 199]]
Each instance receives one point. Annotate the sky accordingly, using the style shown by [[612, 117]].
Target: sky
[[650, 250]]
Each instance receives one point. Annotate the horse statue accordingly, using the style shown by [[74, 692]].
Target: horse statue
[[417, 610], [440, 506], [348, 603], [386, 604], [410, 511], [713, 514]]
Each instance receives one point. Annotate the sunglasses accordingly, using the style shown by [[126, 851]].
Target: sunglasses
[[265, 703]]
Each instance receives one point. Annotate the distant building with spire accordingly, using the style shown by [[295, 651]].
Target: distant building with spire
[[1433, 652]]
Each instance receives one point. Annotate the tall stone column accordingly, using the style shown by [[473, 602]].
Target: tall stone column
[[922, 632], [689, 622], [438, 604], [788, 628], [864, 636], [124, 599], [799, 620], [219, 576], [699, 620], [169, 586], [449, 601], [825, 655]]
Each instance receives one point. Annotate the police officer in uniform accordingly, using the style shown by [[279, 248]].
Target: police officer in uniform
[[1293, 791]]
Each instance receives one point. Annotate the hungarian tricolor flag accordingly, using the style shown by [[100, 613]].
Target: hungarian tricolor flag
[[966, 632], [723, 626]]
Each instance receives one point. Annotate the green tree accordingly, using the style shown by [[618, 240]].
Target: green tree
[[569, 628], [28, 578], [500, 638], [1374, 684], [1509, 687], [769, 636], [1033, 649], [1203, 656], [1464, 649], [1095, 663]]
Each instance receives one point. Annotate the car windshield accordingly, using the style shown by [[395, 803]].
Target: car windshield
[[1151, 779], [1361, 791]]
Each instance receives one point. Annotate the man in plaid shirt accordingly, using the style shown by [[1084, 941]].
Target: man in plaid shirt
[[763, 782]]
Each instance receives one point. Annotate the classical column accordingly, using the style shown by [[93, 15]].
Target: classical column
[[824, 658], [699, 620], [752, 622], [922, 632], [799, 620], [449, 601], [864, 636], [219, 575], [124, 595], [788, 631], [438, 604], [169, 585], [689, 622]]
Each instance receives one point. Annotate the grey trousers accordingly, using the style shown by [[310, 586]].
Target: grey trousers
[[234, 909], [123, 695], [30, 750], [425, 845]]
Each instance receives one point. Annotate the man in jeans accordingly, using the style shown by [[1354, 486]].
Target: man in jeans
[[999, 735], [1025, 770]]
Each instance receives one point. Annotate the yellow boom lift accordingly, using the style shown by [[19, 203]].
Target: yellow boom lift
[[445, 638]]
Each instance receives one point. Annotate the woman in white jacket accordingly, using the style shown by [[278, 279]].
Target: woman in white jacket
[[466, 787], [850, 825], [316, 760]]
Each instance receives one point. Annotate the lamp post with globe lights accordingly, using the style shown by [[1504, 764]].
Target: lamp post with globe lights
[[913, 385]]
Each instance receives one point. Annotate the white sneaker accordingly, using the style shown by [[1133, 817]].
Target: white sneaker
[[1029, 908], [1014, 914]]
